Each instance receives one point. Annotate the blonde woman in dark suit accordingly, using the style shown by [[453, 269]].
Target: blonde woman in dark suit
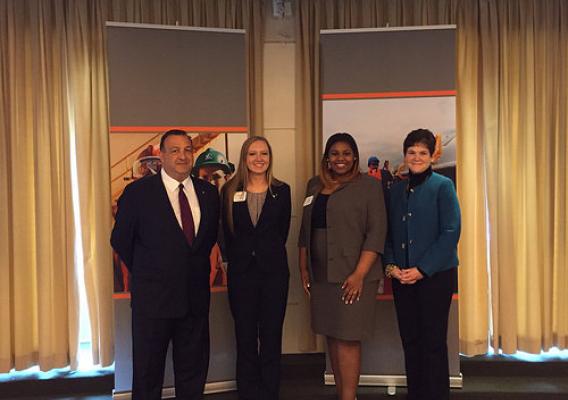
[[342, 234], [256, 220]]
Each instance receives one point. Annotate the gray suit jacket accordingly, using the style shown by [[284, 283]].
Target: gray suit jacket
[[356, 221]]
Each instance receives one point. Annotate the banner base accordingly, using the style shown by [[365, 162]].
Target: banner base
[[456, 382]]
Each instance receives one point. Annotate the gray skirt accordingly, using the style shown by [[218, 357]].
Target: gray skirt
[[330, 315]]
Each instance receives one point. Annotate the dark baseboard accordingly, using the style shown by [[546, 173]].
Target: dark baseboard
[[64, 385]]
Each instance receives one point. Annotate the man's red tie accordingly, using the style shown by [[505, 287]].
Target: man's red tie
[[186, 216]]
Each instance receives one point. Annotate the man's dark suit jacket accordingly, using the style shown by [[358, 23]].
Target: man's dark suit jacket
[[169, 277], [266, 241]]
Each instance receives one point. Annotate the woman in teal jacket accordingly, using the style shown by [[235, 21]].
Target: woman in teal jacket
[[421, 257]]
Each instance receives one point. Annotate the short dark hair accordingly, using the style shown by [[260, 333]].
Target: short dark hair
[[173, 132], [424, 136]]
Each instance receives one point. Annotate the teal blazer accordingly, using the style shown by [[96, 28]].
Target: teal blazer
[[426, 222]]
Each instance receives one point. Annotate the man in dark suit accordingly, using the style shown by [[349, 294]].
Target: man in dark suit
[[165, 227]]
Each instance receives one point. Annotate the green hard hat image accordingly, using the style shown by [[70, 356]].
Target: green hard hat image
[[213, 158]]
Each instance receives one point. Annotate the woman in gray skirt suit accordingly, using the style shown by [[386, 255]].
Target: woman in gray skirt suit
[[343, 231]]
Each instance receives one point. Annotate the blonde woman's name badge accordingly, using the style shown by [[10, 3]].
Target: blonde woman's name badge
[[239, 197], [308, 200]]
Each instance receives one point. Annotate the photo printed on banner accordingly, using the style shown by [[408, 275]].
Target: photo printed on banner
[[379, 125], [136, 155]]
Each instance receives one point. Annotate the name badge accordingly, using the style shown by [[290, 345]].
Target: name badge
[[239, 197], [308, 200]]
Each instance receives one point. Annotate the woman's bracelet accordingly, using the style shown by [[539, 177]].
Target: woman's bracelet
[[389, 269]]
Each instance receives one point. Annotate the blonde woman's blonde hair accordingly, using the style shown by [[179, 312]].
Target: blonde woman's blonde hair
[[240, 179]]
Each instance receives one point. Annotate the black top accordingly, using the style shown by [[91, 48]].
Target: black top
[[417, 179], [319, 220]]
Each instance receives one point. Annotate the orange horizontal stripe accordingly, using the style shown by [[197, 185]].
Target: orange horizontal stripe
[[239, 129], [382, 95], [390, 297]]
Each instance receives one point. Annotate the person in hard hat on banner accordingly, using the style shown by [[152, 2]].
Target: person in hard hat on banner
[[212, 166]]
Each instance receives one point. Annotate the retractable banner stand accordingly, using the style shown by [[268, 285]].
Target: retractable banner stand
[[378, 85], [160, 78]]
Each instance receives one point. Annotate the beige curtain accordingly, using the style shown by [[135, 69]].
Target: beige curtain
[[474, 313], [521, 86], [88, 130], [39, 309], [511, 115], [53, 105]]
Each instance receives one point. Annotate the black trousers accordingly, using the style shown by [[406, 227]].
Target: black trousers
[[258, 303], [422, 311], [190, 345]]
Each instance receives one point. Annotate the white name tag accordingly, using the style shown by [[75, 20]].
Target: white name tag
[[239, 197], [308, 200]]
